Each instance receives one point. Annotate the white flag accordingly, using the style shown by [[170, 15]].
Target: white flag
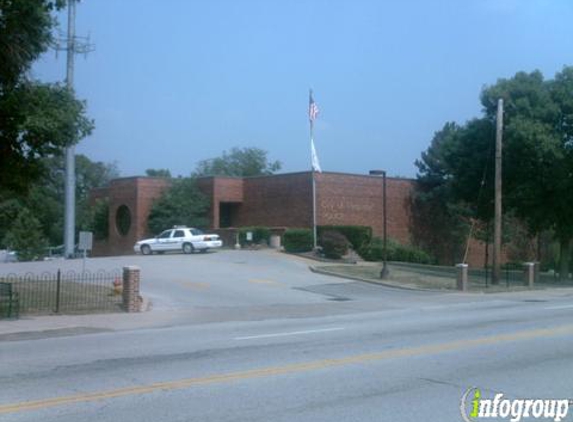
[[315, 163]]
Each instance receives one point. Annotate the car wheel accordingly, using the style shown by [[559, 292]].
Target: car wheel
[[145, 250], [188, 248]]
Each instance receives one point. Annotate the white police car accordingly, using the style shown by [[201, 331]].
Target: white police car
[[186, 239]]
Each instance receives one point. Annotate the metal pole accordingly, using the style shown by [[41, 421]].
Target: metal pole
[[58, 291], [385, 271], [314, 230], [498, 210], [84, 261], [70, 181]]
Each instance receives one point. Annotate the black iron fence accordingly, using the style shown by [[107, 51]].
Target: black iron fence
[[512, 275], [67, 292]]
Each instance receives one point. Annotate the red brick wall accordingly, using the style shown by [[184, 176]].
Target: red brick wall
[[220, 189], [148, 190], [138, 194], [344, 199], [280, 200]]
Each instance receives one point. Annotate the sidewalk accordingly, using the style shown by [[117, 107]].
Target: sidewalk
[[88, 323]]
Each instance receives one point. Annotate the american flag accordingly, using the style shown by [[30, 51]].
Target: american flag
[[312, 108]]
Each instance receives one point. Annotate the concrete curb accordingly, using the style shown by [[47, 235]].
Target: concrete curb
[[325, 260], [379, 283]]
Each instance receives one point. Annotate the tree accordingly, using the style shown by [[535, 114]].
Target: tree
[[99, 219], [440, 222], [25, 237], [37, 120], [537, 155], [239, 162], [181, 204], [89, 175], [164, 173], [45, 197]]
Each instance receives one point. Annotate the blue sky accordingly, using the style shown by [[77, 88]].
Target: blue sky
[[176, 81]]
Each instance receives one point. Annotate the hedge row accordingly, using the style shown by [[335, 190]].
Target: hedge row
[[395, 252], [336, 239], [298, 240]]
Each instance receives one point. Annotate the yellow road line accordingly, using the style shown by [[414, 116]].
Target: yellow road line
[[260, 281], [286, 369]]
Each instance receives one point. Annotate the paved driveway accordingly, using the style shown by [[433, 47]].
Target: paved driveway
[[229, 285]]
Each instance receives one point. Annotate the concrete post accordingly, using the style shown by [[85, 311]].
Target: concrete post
[[529, 274], [462, 277], [130, 295]]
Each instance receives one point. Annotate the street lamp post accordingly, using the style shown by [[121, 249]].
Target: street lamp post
[[385, 271]]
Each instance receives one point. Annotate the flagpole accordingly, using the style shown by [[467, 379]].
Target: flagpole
[[314, 231], [314, 164]]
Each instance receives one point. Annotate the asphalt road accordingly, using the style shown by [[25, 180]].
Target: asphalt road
[[263, 339]]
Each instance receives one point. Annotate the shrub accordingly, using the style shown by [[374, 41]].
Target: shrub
[[298, 240], [374, 251], [334, 244], [25, 237], [358, 236], [260, 235]]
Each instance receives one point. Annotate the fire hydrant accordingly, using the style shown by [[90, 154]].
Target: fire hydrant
[[117, 286]]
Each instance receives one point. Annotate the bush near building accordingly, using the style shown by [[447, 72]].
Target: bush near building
[[358, 236], [374, 251], [260, 235], [298, 240], [334, 244]]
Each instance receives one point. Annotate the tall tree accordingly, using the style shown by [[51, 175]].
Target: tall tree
[[439, 220], [238, 162], [181, 204], [537, 155], [37, 120], [164, 173]]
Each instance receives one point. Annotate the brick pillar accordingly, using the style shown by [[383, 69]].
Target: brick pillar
[[462, 277], [131, 299]]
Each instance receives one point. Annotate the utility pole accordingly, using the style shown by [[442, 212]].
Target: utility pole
[[73, 46], [70, 185], [498, 214]]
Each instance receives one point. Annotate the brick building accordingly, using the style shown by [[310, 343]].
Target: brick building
[[283, 200], [277, 201]]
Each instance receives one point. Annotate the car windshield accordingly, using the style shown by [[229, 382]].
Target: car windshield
[[196, 232]]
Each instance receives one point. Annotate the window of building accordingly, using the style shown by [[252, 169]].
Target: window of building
[[123, 220]]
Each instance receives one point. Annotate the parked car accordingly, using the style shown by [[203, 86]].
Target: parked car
[[186, 239]]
